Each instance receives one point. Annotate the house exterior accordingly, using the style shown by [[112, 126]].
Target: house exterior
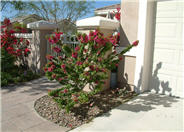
[[107, 11], [156, 64], [158, 60], [68, 27]]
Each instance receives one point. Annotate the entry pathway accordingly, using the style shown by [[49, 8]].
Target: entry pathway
[[18, 114], [146, 112]]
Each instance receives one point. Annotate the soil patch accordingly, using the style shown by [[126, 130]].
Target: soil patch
[[81, 114]]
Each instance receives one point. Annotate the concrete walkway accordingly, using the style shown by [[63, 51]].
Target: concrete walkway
[[18, 114], [146, 112]]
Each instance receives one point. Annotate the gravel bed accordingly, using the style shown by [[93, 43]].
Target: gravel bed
[[80, 114]]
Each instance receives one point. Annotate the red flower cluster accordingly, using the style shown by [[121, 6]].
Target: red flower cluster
[[136, 43], [49, 57], [118, 14], [56, 49], [54, 39], [13, 45]]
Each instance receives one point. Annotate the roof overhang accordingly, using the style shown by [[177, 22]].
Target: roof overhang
[[97, 22], [43, 25]]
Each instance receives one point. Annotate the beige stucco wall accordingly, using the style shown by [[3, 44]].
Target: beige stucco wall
[[37, 58], [129, 21], [126, 71], [128, 34]]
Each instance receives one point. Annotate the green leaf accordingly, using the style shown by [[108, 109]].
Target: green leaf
[[67, 50]]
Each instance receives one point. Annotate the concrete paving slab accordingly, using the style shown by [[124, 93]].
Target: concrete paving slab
[[146, 112], [18, 114], [46, 127], [9, 127]]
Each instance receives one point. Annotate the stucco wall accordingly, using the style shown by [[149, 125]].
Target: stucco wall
[[128, 34], [129, 21]]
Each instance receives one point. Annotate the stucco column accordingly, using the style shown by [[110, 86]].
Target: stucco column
[[128, 34], [143, 71], [39, 44]]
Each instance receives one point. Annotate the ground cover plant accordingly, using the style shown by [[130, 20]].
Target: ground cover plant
[[86, 65], [14, 53]]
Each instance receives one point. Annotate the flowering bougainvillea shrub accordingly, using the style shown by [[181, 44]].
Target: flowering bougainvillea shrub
[[87, 64], [13, 50], [17, 47]]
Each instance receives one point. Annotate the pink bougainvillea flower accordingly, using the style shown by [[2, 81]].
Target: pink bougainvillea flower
[[77, 48], [21, 39], [12, 31], [118, 9], [114, 52], [91, 36], [65, 91], [99, 59], [135, 43], [84, 39], [74, 55], [85, 50], [86, 73], [96, 32], [50, 69], [120, 58], [3, 26], [91, 104], [18, 51], [63, 66], [45, 69], [53, 67], [116, 65], [58, 34], [56, 49], [60, 79], [79, 36], [95, 46], [60, 57], [70, 125], [74, 98], [49, 57], [51, 63], [10, 48], [79, 63], [117, 15], [26, 51], [7, 21], [27, 42], [98, 52], [103, 70], [92, 67], [53, 76]]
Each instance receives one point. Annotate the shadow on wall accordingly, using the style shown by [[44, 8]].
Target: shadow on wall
[[126, 85], [155, 83], [123, 39]]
